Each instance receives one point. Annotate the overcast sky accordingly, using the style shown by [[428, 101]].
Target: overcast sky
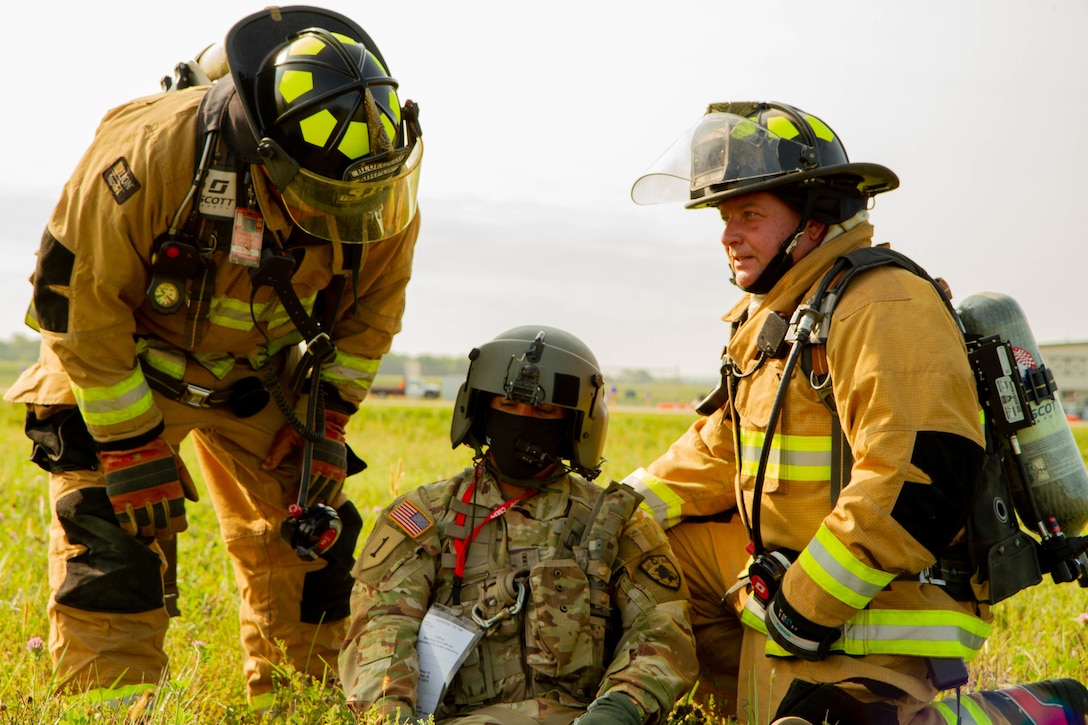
[[538, 117]]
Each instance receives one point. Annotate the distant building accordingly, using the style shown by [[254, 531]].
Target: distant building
[[1068, 361]]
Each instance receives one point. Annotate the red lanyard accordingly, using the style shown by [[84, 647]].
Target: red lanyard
[[461, 545]]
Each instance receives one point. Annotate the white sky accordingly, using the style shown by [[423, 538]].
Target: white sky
[[537, 117]]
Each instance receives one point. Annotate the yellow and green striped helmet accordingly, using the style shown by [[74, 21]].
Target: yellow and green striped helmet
[[743, 147]]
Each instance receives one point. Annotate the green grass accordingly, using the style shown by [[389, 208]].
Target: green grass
[[1036, 636]]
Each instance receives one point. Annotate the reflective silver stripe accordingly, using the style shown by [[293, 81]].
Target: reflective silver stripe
[[118, 403], [658, 497], [792, 457], [920, 633], [839, 573]]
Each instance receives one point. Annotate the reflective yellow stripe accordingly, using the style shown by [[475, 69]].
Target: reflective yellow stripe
[[792, 457], [970, 712], [116, 403], [840, 573], [920, 633], [946, 712], [924, 633], [658, 497], [170, 362], [264, 353], [974, 709], [351, 370], [31, 318], [237, 314], [217, 363]]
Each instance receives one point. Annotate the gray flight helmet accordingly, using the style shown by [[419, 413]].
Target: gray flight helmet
[[536, 364]]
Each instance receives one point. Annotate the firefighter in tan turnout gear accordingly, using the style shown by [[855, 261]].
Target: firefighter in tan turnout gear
[[204, 235], [559, 595], [821, 563]]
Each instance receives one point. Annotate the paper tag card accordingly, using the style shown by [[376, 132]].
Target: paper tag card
[[445, 640]]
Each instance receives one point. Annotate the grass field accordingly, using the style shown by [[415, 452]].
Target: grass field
[[1040, 633]]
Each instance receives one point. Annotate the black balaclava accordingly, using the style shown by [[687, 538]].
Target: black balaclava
[[522, 446]]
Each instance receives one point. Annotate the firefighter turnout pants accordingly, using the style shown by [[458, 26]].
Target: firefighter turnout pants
[[106, 610]]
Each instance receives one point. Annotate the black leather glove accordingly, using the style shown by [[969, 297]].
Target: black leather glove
[[797, 635], [612, 708]]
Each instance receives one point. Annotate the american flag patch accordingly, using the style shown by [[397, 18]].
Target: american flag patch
[[412, 520]]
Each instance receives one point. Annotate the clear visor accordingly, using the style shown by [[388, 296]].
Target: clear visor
[[722, 148], [358, 211]]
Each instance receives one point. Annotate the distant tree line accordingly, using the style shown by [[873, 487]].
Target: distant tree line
[[20, 349], [23, 349]]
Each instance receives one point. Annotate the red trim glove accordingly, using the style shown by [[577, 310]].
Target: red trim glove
[[328, 469], [612, 708], [147, 486], [797, 635]]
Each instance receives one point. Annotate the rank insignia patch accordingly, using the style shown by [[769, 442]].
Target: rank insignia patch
[[411, 519], [660, 569], [121, 181]]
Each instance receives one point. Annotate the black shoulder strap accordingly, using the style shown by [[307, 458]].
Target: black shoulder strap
[[827, 296], [221, 112]]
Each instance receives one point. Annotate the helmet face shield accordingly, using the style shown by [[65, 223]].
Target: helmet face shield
[[361, 211], [743, 147], [722, 148]]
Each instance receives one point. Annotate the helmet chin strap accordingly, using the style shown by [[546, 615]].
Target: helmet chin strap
[[781, 262]]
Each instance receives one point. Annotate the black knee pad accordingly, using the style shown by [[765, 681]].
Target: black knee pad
[[830, 704], [61, 442], [326, 593], [117, 573]]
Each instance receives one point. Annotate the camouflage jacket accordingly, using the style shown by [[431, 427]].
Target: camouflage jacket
[[605, 606]]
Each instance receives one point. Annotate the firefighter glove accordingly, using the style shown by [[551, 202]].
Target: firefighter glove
[[328, 469], [148, 485], [612, 708], [797, 635]]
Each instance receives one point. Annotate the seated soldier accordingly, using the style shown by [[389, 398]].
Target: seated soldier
[[567, 596]]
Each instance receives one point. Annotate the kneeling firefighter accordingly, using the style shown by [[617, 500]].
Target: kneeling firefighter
[[219, 248], [820, 509]]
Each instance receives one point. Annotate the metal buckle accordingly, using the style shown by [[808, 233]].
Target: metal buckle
[[477, 612], [195, 396], [926, 576]]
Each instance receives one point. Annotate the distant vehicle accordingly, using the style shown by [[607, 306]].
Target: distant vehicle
[[422, 389], [413, 389]]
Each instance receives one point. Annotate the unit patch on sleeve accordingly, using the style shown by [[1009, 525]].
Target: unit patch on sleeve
[[661, 570], [411, 519], [121, 181]]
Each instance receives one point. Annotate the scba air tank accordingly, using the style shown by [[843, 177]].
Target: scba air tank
[[1052, 465]]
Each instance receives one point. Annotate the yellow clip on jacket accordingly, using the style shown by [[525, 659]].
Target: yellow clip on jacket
[[94, 267], [900, 380]]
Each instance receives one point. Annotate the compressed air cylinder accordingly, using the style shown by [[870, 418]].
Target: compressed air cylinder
[[1053, 468]]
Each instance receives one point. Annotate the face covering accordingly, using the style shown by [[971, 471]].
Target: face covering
[[522, 446]]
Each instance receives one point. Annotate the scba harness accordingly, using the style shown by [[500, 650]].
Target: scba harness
[[998, 558]]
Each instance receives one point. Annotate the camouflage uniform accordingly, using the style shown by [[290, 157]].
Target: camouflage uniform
[[606, 609]]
